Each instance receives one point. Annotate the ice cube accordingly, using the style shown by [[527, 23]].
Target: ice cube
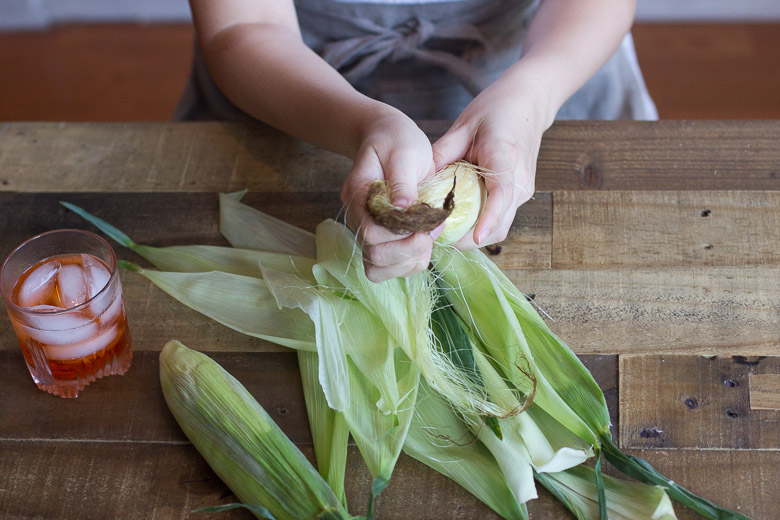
[[110, 315], [45, 308], [38, 286], [84, 348], [95, 273], [61, 328], [72, 285]]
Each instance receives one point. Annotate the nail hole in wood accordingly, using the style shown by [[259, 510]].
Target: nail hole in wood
[[281, 410], [731, 383], [705, 213], [692, 403], [650, 433], [707, 246], [530, 296], [732, 413]]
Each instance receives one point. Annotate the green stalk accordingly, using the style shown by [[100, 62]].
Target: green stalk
[[641, 470]]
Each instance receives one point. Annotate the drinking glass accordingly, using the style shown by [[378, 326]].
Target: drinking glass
[[64, 297]]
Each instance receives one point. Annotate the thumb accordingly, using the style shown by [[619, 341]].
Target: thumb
[[452, 146], [404, 174]]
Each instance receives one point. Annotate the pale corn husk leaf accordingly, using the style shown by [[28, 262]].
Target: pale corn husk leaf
[[480, 302], [365, 341], [339, 253], [550, 446], [323, 309], [380, 436], [240, 441], [329, 430], [242, 303], [198, 259], [247, 228], [576, 488], [439, 439]]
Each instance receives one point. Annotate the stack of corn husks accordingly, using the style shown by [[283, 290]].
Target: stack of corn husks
[[453, 365]]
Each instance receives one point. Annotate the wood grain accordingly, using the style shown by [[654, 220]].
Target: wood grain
[[694, 402], [131, 408], [667, 155], [665, 229], [168, 481], [764, 391], [708, 310]]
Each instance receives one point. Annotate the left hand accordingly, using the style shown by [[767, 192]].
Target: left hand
[[500, 130]]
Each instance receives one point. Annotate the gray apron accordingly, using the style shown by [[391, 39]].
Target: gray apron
[[429, 60]]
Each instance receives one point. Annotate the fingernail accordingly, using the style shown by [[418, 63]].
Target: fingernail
[[438, 231], [481, 236], [401, 202]]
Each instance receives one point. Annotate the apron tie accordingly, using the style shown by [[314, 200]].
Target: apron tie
[[356, 58]]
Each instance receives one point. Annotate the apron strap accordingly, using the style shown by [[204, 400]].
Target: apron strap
[[356, 58]]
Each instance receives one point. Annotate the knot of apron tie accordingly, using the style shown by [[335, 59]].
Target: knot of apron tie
[[356, 58]]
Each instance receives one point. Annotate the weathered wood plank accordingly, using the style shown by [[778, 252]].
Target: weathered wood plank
[[131, 407], [46, 479], [529, 244], [665, 229], [665, 155], [683, 311], [694, 402], [662, 155], [764, 391]]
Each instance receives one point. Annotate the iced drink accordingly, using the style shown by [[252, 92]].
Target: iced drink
[[67, 310]]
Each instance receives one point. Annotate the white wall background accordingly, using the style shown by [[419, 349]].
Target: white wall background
[[17, 15]]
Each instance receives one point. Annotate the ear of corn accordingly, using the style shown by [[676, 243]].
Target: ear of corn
[[240, 441], [470, 198]]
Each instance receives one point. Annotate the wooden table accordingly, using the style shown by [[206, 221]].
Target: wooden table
[[655, 247]]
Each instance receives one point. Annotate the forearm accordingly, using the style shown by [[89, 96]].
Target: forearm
[[268, 72], [567, 42]]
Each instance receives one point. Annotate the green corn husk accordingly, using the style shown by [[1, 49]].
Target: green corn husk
[[481, 292], [510, 339], [577, 489], [240, 441], [329, 430], [440, 439], [242, 303]]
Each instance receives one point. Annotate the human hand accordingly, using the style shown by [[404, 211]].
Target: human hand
[[393, 148], [501, 131]]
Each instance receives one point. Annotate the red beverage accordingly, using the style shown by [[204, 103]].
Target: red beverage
[[69, 316]]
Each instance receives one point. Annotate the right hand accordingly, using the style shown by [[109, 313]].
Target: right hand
[[392, 148]]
